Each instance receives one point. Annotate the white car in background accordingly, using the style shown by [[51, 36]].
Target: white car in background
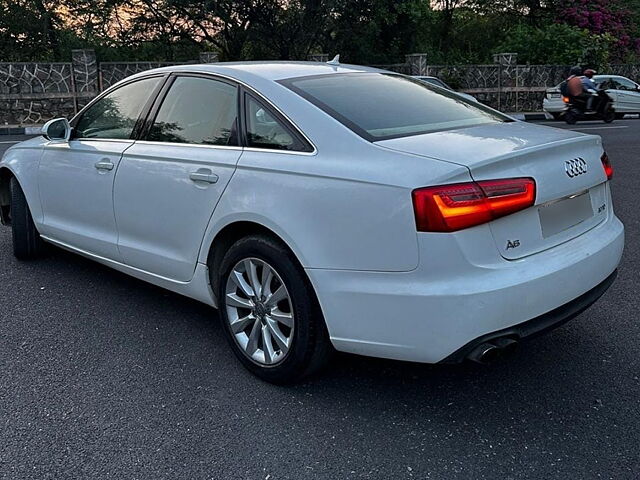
[[323, 206], [625, 94], [439, 83]]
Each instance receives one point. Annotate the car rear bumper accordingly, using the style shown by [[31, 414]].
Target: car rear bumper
[[539, 325], [454, 299], [555, 105]]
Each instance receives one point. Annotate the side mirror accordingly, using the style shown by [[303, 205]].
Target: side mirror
[[57, 129]]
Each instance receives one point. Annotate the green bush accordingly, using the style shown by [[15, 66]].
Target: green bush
[[557, 44]]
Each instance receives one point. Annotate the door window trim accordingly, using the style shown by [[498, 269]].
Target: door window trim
[[141, 117]]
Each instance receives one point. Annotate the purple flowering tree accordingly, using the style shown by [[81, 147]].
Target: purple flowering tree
[[602, 17]]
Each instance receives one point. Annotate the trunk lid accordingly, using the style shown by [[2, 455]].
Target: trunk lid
[[571, 196]]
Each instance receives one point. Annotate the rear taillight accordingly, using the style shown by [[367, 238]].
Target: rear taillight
[[566, 99], [606, 164], [448, 208]]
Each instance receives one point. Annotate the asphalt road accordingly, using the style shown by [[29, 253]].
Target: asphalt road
[[103, 376]]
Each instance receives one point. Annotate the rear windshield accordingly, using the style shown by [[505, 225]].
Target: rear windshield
[[379, 106]]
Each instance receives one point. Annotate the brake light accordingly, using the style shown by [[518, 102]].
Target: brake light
[[448, 208], [565, 99], [606, 164]]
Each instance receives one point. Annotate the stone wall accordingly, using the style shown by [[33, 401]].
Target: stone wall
[[32, 93], [113, 72]]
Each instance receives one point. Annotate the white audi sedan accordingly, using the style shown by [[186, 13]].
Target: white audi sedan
[[324, 207]]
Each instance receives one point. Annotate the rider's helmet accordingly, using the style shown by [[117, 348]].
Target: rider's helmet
[[575, 71], [589, 73]]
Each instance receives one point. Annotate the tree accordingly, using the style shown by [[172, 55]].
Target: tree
[[29, 29], [447, 9], [375, 31], [602, 17], [558, 44], [294, 29]]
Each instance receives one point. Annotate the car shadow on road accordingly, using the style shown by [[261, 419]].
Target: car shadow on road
[[540, 367], [155, 359]]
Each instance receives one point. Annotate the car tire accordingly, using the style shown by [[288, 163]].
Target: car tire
[[276, 351], [557, 115], [27, 244], [609, 116]]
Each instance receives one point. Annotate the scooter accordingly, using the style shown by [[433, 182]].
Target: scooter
[[598, 107]]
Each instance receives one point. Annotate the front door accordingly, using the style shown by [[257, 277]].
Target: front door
[[168, 184], [628, 96], [76, 178]]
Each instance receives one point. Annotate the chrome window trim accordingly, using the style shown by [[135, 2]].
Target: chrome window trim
[[287, 152], [90, 139], [184, 144], [223, 147]]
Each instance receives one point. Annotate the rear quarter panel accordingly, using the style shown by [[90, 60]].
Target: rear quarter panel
[[338, 210]]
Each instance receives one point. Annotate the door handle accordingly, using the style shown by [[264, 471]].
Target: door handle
[[203, 175], [104, 165]]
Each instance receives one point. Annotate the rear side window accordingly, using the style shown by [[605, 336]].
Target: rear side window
[[115, 114], [197, 111], [266, 130], [380, 106]]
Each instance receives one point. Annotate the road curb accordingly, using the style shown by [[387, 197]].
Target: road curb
[[32, 130], [529, 116]]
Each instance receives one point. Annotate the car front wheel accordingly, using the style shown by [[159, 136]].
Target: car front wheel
[[269, 311], [27, 243]]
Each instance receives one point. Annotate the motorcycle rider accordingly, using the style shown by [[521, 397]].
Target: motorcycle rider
[[574, 82], [587, 80], [579, 98], [589, 86], [575, 88]]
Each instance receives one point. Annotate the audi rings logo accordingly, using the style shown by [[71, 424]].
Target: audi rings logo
[[575, 167]]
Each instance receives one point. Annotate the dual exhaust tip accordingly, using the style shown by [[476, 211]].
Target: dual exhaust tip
[[490, 351]]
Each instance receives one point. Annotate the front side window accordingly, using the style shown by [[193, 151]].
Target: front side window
[[197, 110], [379, 106], [115, 114], [264, 130]]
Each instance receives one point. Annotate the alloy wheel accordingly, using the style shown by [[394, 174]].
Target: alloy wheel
[[259, 311]]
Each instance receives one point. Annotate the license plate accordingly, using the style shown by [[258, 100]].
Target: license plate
[[554, 95], [558, 216]]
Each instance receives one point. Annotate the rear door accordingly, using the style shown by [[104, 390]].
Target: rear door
[[76, 178], [169, 182]]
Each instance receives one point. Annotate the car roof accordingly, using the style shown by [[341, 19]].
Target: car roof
[[602, 77], [270, 70], [596, 78]]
